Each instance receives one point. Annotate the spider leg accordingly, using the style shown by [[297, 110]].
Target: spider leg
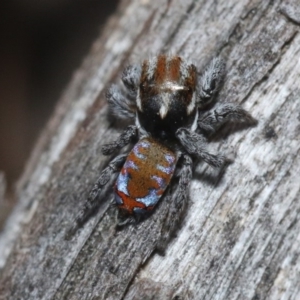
[[131, 77], [195, 144], [91, 203], [177, 204], [124, 139], [211, 81], [120, 105], [223, 113]]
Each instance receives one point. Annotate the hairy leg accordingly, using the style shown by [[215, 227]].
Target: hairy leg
[[123, 104], [124, 139], [177, 204], [120, 105], [223, 113], [131, 78], [91, 203], [211, 81], [195, 144]]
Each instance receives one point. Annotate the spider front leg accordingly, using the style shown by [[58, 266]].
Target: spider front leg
[[195, 144], [223, 113], [121, 106], [124, 106], [131, 78], [124, 139], [177, 204], [91, 203], [211, 81]]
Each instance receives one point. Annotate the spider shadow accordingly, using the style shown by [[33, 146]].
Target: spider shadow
[[230, 128], [100, 206], [115, 122], [211, 178]]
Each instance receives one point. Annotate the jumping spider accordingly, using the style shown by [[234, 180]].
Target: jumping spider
[[166, 100]]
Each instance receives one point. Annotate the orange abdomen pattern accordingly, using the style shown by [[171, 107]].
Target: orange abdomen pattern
[[145, 176]]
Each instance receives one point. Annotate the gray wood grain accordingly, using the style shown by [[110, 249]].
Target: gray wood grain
[[240, 238]]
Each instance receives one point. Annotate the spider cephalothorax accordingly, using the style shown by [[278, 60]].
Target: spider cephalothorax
[[165, 101], [166, 98]]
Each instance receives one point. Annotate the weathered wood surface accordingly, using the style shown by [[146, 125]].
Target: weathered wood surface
[[240, 238], [2, 197]]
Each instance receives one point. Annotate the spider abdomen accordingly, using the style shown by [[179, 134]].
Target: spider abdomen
[[145, 176]]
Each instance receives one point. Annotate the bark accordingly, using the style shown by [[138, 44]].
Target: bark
[[2, 197], [240, 238]]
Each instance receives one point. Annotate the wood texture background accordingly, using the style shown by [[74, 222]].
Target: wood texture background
[[240, 238]]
